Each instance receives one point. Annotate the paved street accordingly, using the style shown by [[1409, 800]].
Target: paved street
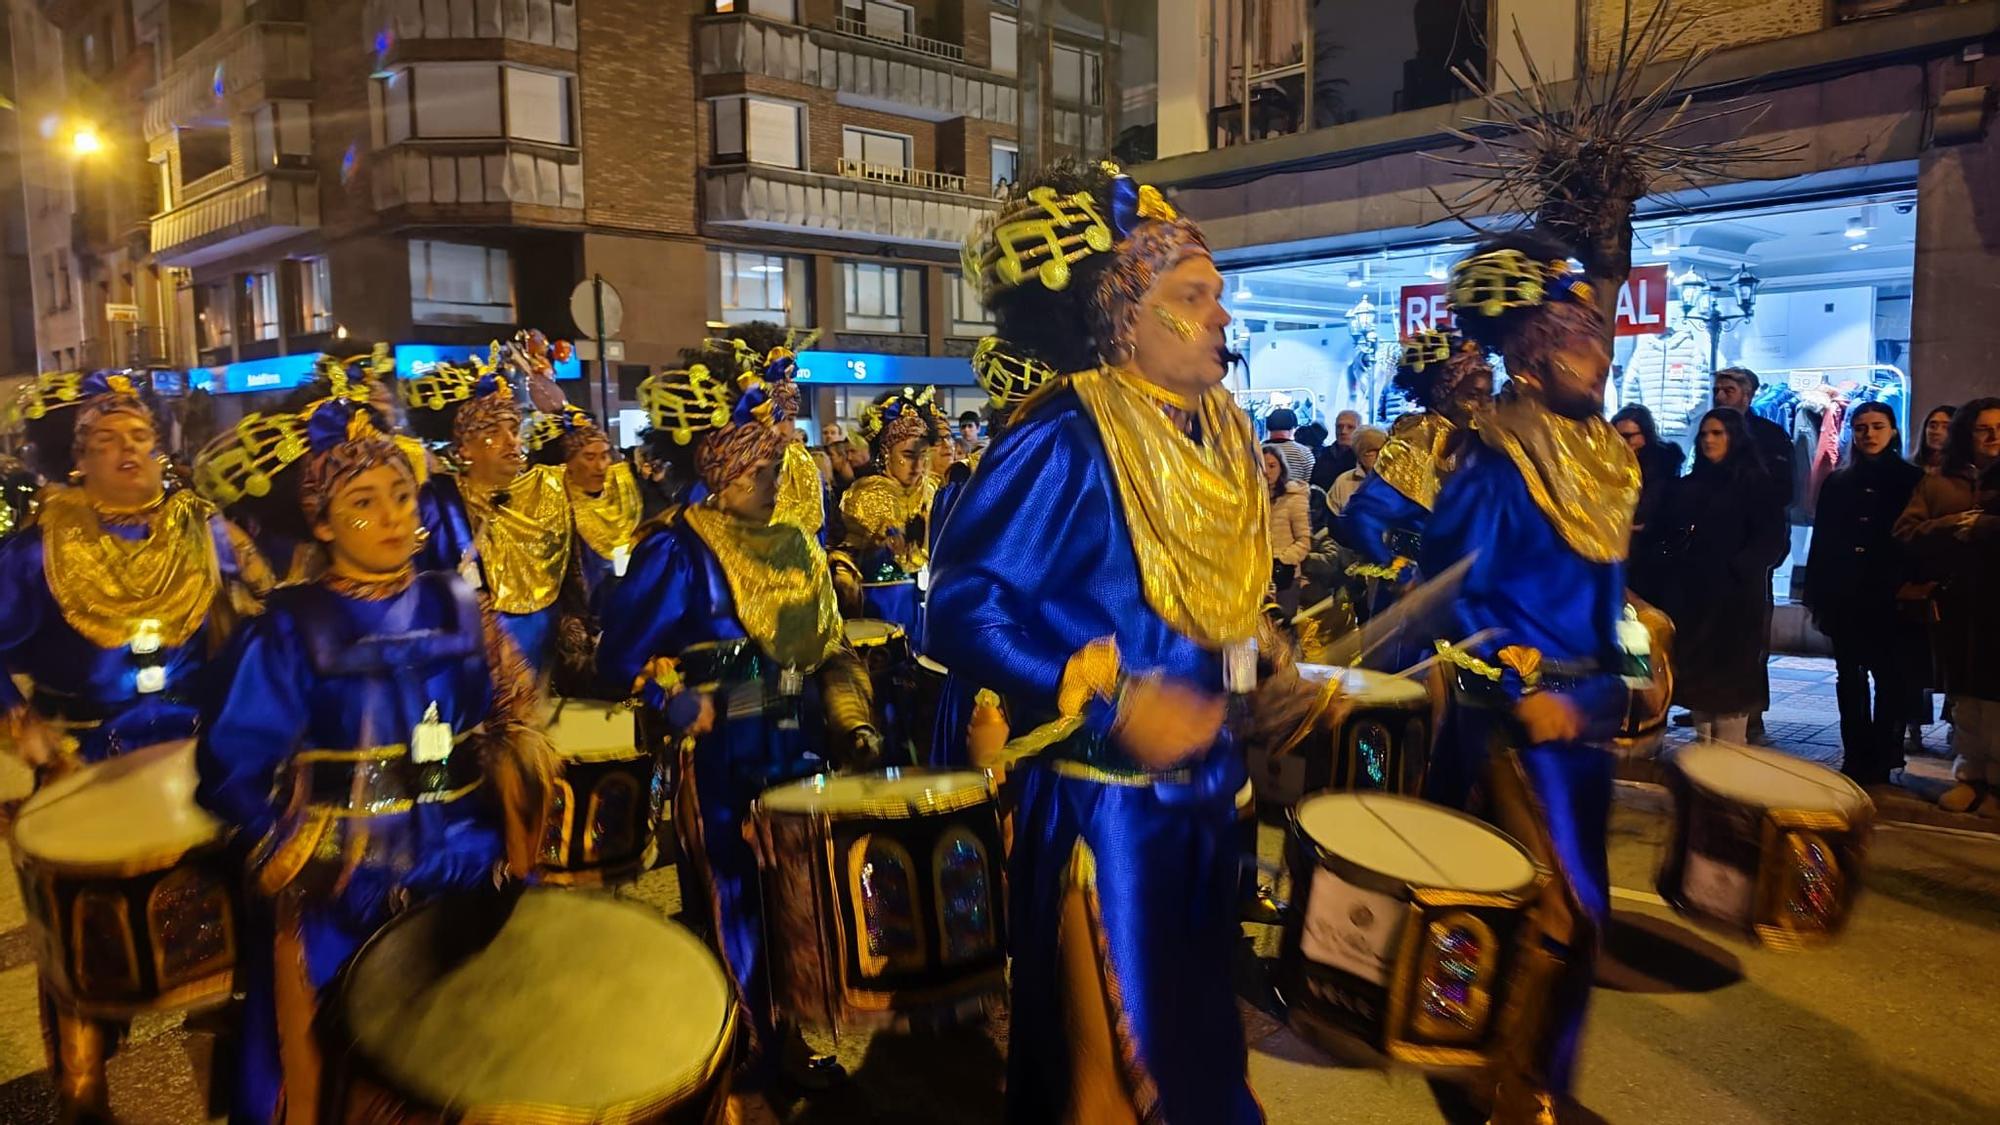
[[1897, 1022]]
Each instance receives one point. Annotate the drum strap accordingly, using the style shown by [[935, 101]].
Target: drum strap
[[382, 780]]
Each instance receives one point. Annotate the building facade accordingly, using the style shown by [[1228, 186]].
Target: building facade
[[275, 178]]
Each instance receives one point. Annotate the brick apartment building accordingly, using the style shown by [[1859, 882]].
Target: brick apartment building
[[262, 180]]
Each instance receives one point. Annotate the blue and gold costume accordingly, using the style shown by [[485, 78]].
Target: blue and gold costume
[[352, 749], [607, 521], [1114, 531], [888, 542], [114, 618], [741, 611], [1542, 505]]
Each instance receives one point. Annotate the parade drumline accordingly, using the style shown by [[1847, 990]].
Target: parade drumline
[[992, 735]]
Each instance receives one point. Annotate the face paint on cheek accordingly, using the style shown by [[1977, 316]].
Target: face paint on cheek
[[1177, 324]]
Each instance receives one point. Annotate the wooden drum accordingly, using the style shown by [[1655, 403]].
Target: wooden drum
[[1381, 740], [605, 812]]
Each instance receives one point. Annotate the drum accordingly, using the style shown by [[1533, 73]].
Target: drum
[[533, 1005], [1646, 642], [604, 812], [1382, 740], [130, 899], [884, 650], [1405, 921], [1764, 843], [882, 898]]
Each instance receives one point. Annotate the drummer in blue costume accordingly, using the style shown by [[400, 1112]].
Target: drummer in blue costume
[[374, 745], [116, 599], [1104, 573], [498, 521], [1384, 521], [1542, 505], [603, 493], [887, 545], [727, 622]]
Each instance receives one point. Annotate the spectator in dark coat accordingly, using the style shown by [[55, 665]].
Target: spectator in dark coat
[[1659, 467], [1735, 389], [1853, 573], [1951, 523], [1333, 460], [1724, 531]]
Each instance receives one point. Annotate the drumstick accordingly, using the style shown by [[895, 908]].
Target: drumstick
[[1414, 606]]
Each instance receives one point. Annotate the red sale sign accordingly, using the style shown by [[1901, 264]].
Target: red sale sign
[[1642, 305]]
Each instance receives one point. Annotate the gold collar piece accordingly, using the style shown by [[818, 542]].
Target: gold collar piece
[[108, 585], [1581, 474], [779, 580], [523, 545], [610, 519]]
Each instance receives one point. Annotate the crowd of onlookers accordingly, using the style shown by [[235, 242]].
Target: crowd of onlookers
[[1902, 575]]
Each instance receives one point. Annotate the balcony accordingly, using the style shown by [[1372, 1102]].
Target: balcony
[[945, 182], [935, 48], [758, 197], [861, 70], [227, 72], [551, 23], [236, 217], [476, 174]]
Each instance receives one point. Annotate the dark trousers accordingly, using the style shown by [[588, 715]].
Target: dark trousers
[[1873, 736]]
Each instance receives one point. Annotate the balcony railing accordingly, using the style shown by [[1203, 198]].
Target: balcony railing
[[551, 23], [470, 173], [936, 48], [860, 70], [241, 216], [206, 81], [910, 177], [766, 198]]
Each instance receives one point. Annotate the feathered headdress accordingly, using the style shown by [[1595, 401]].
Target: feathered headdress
[[777, 368], [553, 437], [900, 416]]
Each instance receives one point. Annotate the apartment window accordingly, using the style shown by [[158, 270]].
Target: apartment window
[[213, 325], [454, 283], [752, 286], [1075, 75], [1006, 163], [458, 101], [874, 297], [257, 312], [760, 131], [769, 9], [203, 152], [283, 132], [968, 316], [313, 309], [1005, 32], [893, 22], [881, 155]]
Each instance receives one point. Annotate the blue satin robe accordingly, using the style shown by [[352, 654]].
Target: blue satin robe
[[453, 546], [322, 671], [1034, 564], [37, 642], [674, 595], [1375, 516], [1534, 590], [948, 734]]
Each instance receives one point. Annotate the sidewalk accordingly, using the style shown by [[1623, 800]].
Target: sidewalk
[[1804, 720]]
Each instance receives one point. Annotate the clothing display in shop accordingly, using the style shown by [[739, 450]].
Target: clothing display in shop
[[1816, 416], [1669, 376]]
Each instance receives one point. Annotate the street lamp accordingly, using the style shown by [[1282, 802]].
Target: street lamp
[[1701, 302], [84, 141], [1361, 327]]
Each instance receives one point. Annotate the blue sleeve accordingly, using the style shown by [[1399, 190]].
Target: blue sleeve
[[21, 607], [1008, 558], [254, 725], [1372, 512], [646, 610], [449, 541]]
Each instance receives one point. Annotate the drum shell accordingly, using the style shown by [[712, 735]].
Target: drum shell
[[604, 818], [821, 968], [1765, 854], [1338, 1006], [886, 658], [1378, 745]]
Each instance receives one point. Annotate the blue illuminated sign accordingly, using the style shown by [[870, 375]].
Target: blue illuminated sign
[[415, 359], [280, 373], [834, 369]]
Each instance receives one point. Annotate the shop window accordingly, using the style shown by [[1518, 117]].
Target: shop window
[[282, 133], [1005, 33], [453, 283], [968, 316], [759, 130], [754, 286], [312, 308], [1006, 165], [459, 101], [873, 297], [257, 311], [214, 326], [1076, 75]]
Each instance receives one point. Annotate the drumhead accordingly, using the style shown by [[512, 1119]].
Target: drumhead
[[590, 730], [1414, 842], [1377, 689], [548, 998], [865, 633], [1766, 779], [135, 810], [885, 793]]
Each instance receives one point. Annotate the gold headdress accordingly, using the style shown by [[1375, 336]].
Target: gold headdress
[[1494, 282], [51, 391], [244, 460], [1008, 379], [684, 404], [900, 417]]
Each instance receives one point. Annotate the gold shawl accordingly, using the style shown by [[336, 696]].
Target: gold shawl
[[610, 519], [105, 585], [800, 502], [779, 580], [524, 546], [1196, 511], [420, 457], [1581, 474], [874, 505], [1413, 461]]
